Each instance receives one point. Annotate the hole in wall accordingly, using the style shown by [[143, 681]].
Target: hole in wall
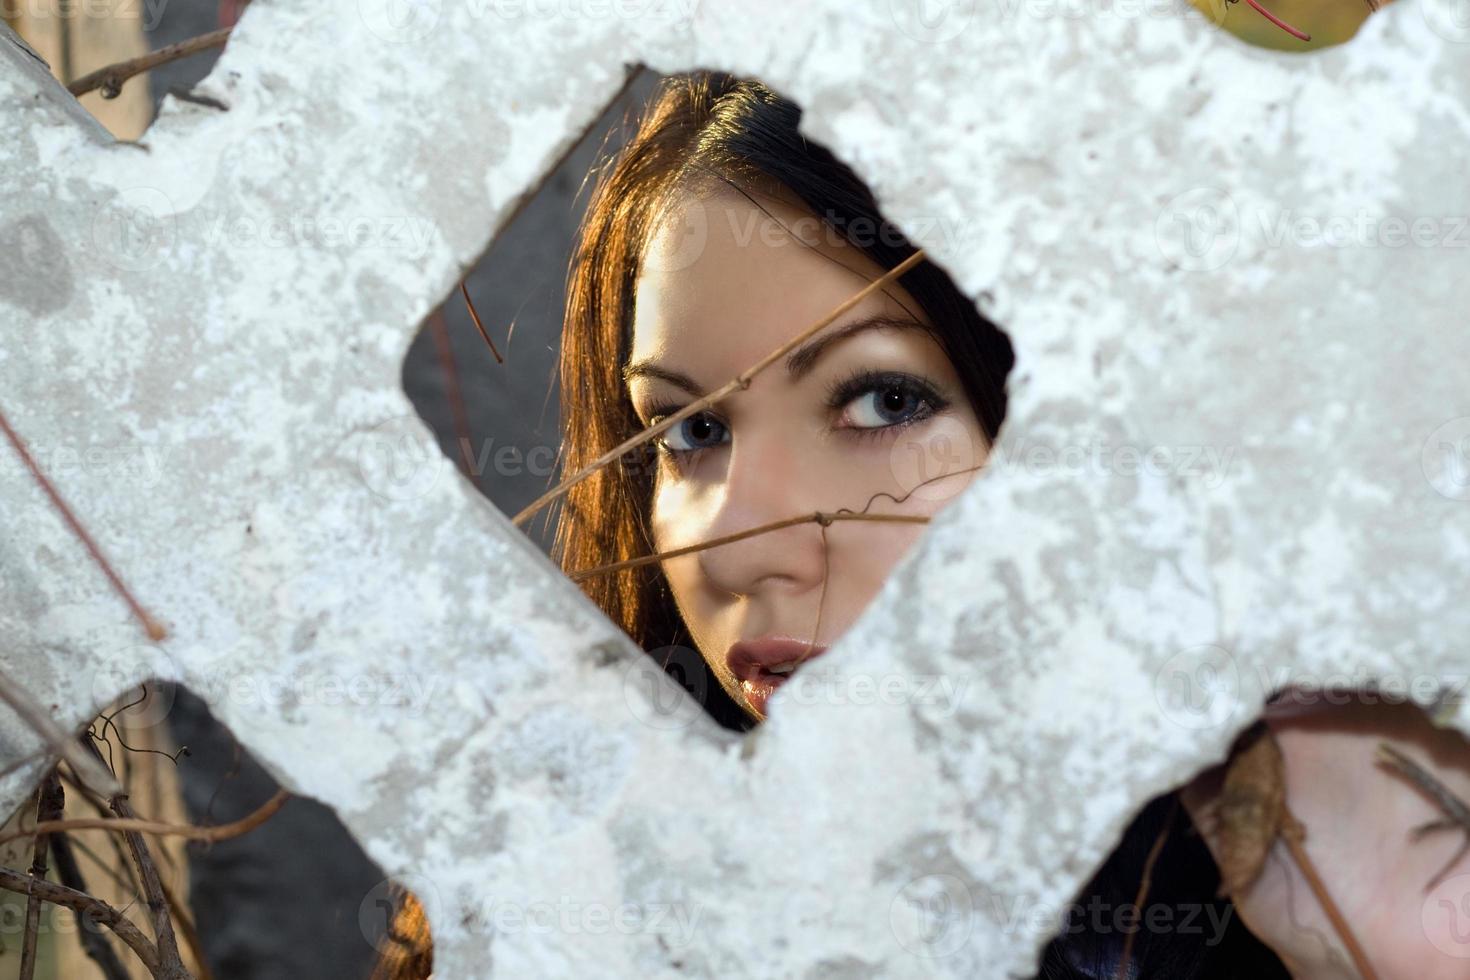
[[696, 232], [1216, 877], [287, 892]]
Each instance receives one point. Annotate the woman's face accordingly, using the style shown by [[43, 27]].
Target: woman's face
[[869, 406]]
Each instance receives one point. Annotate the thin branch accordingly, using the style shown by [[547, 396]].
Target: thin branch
[[739, 382], [119, 852], [50, 800], [93, 908], [186, 831], [1293, 833], [454, 394], [189, 931], [151, 626], [94, 943], [822, 518], [475, 316], [111, 78], [1299, 35], [170, 963], [1145, 882], [88, 769]]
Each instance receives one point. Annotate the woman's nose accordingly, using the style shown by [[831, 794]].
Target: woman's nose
[[766, 481]]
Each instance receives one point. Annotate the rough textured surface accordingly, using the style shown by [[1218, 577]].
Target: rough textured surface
[[211, 371]]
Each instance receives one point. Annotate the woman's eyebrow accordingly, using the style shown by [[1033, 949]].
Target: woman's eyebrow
[[799, 362]]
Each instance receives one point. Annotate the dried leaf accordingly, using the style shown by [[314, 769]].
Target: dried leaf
[[1249, 813]]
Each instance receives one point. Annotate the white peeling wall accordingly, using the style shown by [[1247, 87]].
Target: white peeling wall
[[1236, 449]]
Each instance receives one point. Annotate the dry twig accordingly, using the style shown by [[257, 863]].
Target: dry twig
[[1145, 881], [151, 626], [186, 831], [93, 909], [94, 943], [739, 382], [88, 769], [49, 803], [170, 963], [111, 78]]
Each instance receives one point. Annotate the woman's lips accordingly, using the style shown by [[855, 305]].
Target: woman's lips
[[752, 663]]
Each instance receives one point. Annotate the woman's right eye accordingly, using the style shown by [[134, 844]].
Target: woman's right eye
[[699, 431]]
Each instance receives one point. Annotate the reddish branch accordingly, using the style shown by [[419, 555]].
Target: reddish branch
[[1145, 882], [475, 316], [453, 392], [1294, 833], [186, 831], [150, 625]]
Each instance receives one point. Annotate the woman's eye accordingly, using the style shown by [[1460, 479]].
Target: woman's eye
[[698, 431], [884, 405]]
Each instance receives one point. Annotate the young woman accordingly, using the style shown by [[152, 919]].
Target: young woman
[[715, 235], [718, 235]]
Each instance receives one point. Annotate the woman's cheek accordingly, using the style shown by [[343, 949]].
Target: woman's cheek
[[674, 517], [931, 463]]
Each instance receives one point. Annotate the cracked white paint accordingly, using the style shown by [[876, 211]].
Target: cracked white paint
[[1055, 164]]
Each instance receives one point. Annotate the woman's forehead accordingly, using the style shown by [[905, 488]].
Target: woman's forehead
[[724, 274]]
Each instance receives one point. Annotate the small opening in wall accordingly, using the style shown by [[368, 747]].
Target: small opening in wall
[[1334, 838], [694, 236], [225, 875]]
